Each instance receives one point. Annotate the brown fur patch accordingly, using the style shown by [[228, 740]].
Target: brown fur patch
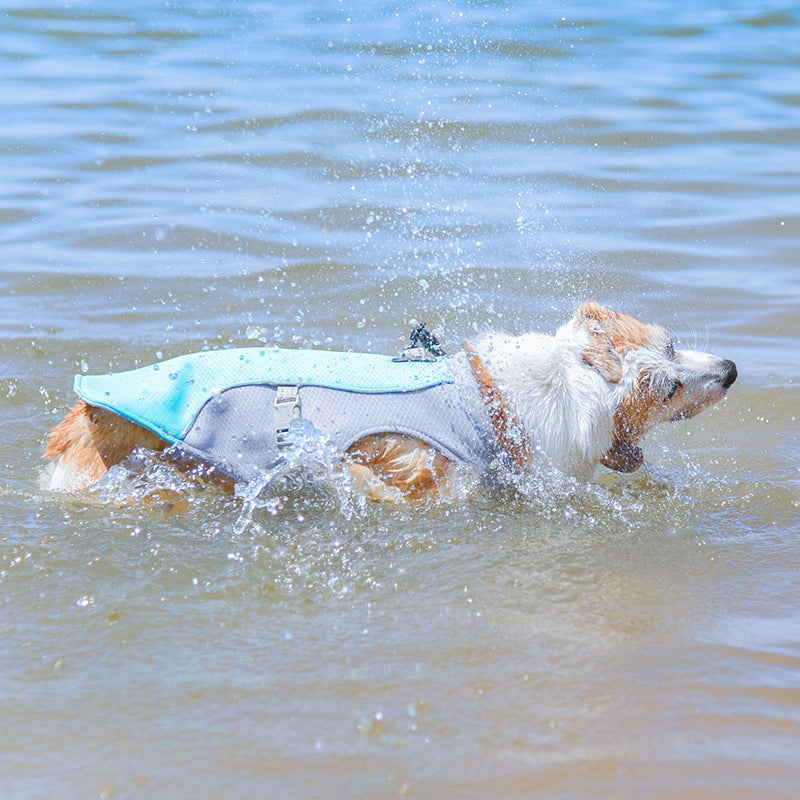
[[624, 332], [412, 468], [510, 430], [600, 353], [90, 440], [639, 410]]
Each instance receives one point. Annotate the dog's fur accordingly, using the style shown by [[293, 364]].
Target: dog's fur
[[584, 396]]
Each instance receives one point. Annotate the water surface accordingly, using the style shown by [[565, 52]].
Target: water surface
[[188, 176]]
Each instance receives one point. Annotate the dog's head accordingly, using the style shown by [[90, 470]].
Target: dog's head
[[658, 383]]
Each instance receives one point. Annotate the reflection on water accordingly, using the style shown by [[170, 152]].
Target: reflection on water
[[316, 175]]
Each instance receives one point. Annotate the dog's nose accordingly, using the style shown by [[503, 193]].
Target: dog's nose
[[729, 373]]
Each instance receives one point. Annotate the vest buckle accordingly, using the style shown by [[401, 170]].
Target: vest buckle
[[287, 410]]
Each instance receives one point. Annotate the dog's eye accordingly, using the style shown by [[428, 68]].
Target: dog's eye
[[673, 388]]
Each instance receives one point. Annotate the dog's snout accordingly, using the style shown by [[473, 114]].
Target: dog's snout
[[729, 373]]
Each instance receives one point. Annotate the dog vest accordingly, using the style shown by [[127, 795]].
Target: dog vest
[[232, 408]]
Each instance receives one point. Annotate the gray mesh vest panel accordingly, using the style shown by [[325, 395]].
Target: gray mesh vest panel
[[236, 430]]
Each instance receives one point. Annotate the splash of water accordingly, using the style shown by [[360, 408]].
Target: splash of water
[[144, 477], [309, 462]]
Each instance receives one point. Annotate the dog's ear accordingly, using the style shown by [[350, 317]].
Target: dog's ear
[[623, 457], [600, 352]]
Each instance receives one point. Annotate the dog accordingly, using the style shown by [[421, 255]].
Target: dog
[[404, 428]]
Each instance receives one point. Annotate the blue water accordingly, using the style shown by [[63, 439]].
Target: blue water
[[179, 176]]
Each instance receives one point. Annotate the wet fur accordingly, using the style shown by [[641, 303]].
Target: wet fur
[[585, 395], [89, 441]]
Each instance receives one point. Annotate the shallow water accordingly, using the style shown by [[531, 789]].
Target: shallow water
[[180, 177]]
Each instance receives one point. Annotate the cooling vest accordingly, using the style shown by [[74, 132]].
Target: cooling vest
[[220, 406]]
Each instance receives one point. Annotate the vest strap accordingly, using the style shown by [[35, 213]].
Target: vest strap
[[287, 410]]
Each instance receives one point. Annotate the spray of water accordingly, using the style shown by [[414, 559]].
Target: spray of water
[[308, 463], [309, 471]]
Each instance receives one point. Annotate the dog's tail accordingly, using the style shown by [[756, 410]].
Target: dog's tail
[[90, 440]]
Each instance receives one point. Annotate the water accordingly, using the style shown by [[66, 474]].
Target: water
[[180, 176]]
